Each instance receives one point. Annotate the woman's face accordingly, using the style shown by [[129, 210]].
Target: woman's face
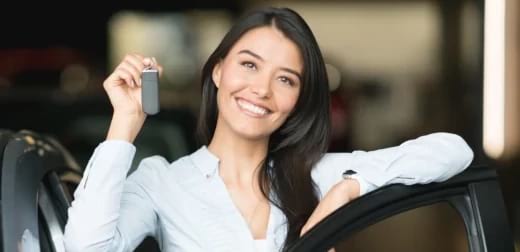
[[258, 83]]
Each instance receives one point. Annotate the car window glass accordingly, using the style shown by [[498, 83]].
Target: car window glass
[[436, 227]]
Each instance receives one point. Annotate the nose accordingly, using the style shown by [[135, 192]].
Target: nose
[[261, 87]]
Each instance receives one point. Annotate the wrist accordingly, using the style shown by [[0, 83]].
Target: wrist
[[125, 127], [350, 187]]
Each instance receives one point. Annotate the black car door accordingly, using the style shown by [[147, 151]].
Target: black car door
[[34, 199], [474, 195]]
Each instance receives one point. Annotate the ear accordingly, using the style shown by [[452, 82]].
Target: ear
[[216, 74]]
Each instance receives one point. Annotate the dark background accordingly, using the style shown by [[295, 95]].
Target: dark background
[[38, 42]]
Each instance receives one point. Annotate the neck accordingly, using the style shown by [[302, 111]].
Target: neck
[[239, 157]]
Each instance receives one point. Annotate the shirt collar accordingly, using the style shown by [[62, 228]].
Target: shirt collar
[[206, 161]]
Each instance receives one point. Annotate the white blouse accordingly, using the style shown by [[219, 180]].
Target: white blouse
[[185, 204], [260, 245]]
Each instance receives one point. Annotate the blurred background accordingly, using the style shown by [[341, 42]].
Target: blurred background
[[398, 69]]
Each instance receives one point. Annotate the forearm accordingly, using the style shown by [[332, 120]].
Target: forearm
[[347, 188], [125, 127], [94, 212], [431, 158]]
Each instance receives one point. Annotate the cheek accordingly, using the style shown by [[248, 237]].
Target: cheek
[[287, 101], [232, 78]]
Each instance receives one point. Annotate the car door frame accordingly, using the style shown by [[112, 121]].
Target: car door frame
[[475, 194]]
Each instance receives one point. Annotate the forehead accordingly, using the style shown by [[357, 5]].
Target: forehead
[[272, 45]]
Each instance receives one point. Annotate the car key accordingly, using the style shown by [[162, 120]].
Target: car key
[[150, 91]]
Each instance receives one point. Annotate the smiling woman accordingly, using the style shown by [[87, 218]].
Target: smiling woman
[[257, 86], [262, 176]]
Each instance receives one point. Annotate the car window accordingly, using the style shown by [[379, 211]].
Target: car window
[[436, 227]]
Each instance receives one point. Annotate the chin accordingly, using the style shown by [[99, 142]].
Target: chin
[[253, 136], [252, 133]]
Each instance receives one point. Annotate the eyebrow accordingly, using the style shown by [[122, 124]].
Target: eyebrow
[[261, 59]]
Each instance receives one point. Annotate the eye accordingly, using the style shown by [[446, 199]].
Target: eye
[[249, 64], [286, 80]]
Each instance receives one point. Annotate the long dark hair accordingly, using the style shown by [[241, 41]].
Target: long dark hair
[[301, 141]]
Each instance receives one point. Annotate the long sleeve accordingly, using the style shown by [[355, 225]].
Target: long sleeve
[[109, 211], [431, 158]]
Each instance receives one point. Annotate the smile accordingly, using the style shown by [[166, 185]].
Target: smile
[[251, 108]]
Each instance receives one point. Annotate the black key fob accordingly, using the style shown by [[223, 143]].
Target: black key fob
[[150, 91]]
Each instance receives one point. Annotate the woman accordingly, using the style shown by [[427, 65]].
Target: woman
[[261, 178]]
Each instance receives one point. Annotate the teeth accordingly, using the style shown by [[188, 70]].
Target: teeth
[[251, 107]]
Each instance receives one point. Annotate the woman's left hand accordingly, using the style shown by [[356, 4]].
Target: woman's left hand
[[340, 194]]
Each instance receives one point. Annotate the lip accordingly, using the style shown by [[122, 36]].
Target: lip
[[249, 112]]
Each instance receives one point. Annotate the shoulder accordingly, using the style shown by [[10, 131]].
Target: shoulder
[[193, 166], [160, 165], [154, 169], [155, 162]]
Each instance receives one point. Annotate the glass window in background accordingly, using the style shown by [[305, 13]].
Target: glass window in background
[[181, 41]]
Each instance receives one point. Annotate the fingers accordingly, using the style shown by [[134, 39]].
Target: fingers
[[152, 62], [130, 69], [130, 73], [148, 62], [136, 65], [160, 69], [126, 75]]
